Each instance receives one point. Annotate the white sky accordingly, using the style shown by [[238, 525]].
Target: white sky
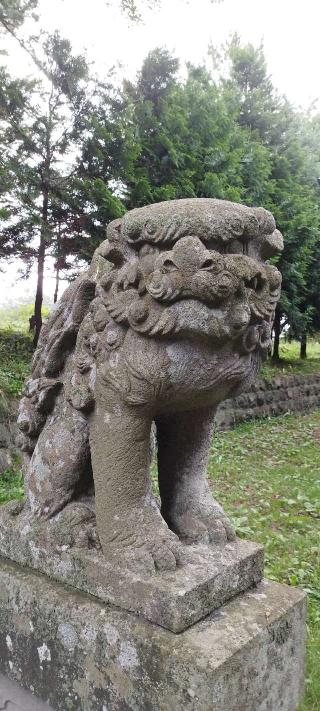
[[289, 30]]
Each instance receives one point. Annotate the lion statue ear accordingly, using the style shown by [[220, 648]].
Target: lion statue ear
[[112, 252]]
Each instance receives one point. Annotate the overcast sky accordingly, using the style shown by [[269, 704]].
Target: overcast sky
[[289, 30]]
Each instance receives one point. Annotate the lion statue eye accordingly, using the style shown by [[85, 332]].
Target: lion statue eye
[[169, 265]]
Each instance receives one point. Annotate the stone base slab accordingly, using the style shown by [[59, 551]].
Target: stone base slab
[[175, 600], [78, 654]]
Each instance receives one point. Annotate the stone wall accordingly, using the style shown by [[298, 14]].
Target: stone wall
[[267, 398]]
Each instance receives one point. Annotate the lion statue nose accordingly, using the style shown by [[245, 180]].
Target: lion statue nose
[[190, 255]]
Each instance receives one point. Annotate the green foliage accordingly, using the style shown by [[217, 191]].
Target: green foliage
[[11, 485], [15, 358], [189, 143], [13, 13], [233, 139], [291, 190], [48, 206], [277, 504], [134, 9], [39, 133]]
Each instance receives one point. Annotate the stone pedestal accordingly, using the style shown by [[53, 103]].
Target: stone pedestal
[[176, 600], [82, 655]]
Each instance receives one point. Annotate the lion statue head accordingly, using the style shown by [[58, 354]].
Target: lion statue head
[[194, 267]]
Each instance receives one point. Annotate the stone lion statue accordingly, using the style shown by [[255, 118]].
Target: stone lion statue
[[173, 316]]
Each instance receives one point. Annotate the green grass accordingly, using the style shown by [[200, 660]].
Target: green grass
[[16, 318], [290, 362], [267, 476]]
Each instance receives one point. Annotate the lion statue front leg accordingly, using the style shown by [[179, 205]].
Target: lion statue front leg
[[186, 501], [129, 521]]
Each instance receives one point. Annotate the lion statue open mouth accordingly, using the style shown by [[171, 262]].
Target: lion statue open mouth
[[173, 316]]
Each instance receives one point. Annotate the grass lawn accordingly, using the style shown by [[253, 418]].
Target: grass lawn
[[290, 362], [266, 474]]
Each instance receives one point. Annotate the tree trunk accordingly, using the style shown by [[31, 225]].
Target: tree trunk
[[303, 346], [56, 291], [41, 260], [277, 331], [57, 265], [44, 233]]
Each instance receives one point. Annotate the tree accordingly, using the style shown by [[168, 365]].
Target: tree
[[41, 135], [105, 164], [36, 143], [146, 103], [134, 8], [290, 192], [77, 152], [14, 97], [13, 14], [310, 299], [295, 203], [189, 141]]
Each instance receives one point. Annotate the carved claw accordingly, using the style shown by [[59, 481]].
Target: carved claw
[[203, 525]]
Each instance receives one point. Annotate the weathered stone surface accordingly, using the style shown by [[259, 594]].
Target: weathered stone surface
[[173, 599], [6, 459], [81, 655], [5, 437]]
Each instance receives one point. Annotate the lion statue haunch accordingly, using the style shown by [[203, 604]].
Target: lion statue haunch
[[173, 316]]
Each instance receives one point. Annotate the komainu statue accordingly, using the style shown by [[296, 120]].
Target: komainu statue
[[173, 316]]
